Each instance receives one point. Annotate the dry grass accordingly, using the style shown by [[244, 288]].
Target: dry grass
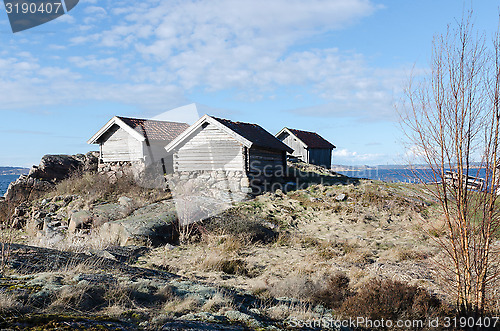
[[9, 304], [78, 243], [182, 306], [299, 311], [393, 300], [218, 303], [79, 298], [327, 289], [222, 254], [7, 237], [96, 188]]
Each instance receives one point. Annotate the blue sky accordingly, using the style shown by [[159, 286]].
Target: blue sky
[[331, 66]]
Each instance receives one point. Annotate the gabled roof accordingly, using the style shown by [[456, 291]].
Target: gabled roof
[[248, 134], [309, 139], [143, 129]]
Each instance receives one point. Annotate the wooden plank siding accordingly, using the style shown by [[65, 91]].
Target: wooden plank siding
[[299, 150], [209, 148], [321, 157], [120, 146], [262, 160]]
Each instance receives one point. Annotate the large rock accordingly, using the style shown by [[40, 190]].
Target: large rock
[[153, 224], [52, 168], [96, 216], [25, 188], [82, 219]]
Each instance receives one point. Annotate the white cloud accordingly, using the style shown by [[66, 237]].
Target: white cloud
[[27, 84], [351, 157], [249, 47], [224, 44]]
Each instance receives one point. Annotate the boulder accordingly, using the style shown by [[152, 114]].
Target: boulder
[[96, 216], [106, 213], [80, 220], [126, 202], [54, 168], [25, 188], [341, 197], [152, 224]]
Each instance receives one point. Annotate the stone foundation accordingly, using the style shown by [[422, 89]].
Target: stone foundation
[[201, 194], [212, 183], [122, 168]]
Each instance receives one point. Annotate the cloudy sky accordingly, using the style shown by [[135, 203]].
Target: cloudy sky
[[331, 66]]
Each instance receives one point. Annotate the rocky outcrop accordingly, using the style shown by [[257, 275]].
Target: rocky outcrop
[[52, 169], [25, 188]]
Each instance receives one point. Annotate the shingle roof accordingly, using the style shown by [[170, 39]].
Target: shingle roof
[[311, 139], [155, 130], [254, 133]]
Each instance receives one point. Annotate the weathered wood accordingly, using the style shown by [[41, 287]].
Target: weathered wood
[[471, 183], [265, 161], [322, 157], [317, 156], [209, 148], [118, 145], [299, 149]]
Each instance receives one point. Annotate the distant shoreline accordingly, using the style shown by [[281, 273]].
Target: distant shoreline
[[386, 167], [13, 171]]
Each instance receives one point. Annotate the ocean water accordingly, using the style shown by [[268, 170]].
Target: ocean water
[[401, 175], [5, 180]]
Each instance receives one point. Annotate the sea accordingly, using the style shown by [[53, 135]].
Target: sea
[[5, 180], [401, 174]]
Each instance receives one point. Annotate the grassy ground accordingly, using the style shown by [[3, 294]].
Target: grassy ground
[[336, 251]]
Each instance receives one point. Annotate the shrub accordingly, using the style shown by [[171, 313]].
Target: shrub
[[392, 300], [331, 290]]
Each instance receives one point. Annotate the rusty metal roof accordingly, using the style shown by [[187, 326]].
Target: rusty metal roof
[[312, 139], [256, 134], [155, 130]]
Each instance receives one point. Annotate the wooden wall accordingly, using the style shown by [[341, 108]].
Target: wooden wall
[[262, 160], [209, 148], [299, 150], [321, 157], [118, 145]]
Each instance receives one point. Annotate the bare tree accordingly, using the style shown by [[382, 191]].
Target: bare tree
[[452, 119]]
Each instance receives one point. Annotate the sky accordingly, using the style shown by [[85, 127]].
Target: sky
[[336, 67]]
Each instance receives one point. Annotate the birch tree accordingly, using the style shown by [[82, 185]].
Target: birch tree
[[452, 118]]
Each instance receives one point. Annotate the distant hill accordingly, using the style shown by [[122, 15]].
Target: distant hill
[[13, 171]]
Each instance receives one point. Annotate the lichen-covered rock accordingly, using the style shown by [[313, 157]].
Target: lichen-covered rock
[[234, 315], [153, 224], [97, 216]]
